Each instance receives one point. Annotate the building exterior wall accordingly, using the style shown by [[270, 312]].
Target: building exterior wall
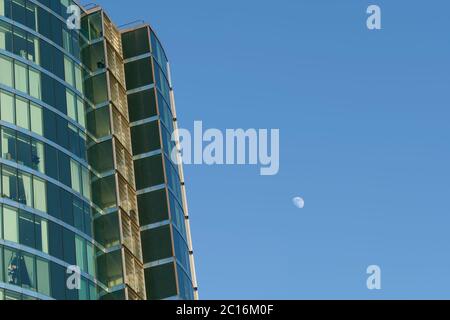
[[46, 221], [86, 179]]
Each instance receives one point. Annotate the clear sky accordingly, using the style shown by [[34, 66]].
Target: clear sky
[[365, 135]]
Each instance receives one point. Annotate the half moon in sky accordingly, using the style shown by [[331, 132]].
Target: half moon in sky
[[299, 202]]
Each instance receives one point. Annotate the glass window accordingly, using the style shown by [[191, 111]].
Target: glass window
[[90, 259], [71, 108], [35, 84], [78, 214], [33, 49], [55, 241], [6, 76], [20, 72], [135, 43], [41, 227], [36, 119], [40, 197], [23, 118], [149, 172], [20, 43], [139, 73], [8, 144], [81, 113], [25, 189], [86, 183], [158, 244], [142, 105], [74, 139], [26, 229], [68, 71], [18, 11], [5, 35], [37, 156], [11, 224], [9, 183], [152, 207], [24, 150], [43, 276], [80, 251], [1, 237], [145, 138], [69, 246], [67, 40], [185, 285], [75, 175], [27, 274], [181, 250], [12, 269], [7, 106], [78, 79]]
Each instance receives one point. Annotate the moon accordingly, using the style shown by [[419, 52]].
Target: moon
[[299, 202]]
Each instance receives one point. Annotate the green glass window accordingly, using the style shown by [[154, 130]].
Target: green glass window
[[40, 197], [149, 172], [33, 49], [75, 175], [9, 183], [23, 118], [158, 244], [35, 84], [68, 71], [5, 34], [20, 43], [20, 73], [90, 259], [71, 107], [36, 119], [28, 275], [2, 279], [1, 236], [6, 76], [26, 229], [152, 207], [139, 73], [145, 138], [81, 112], [142, 105], [38, 156], [136, 43], [78, 79], [8, 144], [80, 252], [7, 106], [41, 227], [23, 143], [160, 282], [43, 276], [86, 182], [25, 189], [10, 224]]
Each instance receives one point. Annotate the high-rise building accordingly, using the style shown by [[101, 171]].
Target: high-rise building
[[87, 182]]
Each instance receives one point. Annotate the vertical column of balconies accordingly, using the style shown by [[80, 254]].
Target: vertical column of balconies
[[114, 185], [166, 244]]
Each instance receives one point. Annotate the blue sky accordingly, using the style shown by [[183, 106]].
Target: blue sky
[[364, 122]]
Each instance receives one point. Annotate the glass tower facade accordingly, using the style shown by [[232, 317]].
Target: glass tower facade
[[86, 118]]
